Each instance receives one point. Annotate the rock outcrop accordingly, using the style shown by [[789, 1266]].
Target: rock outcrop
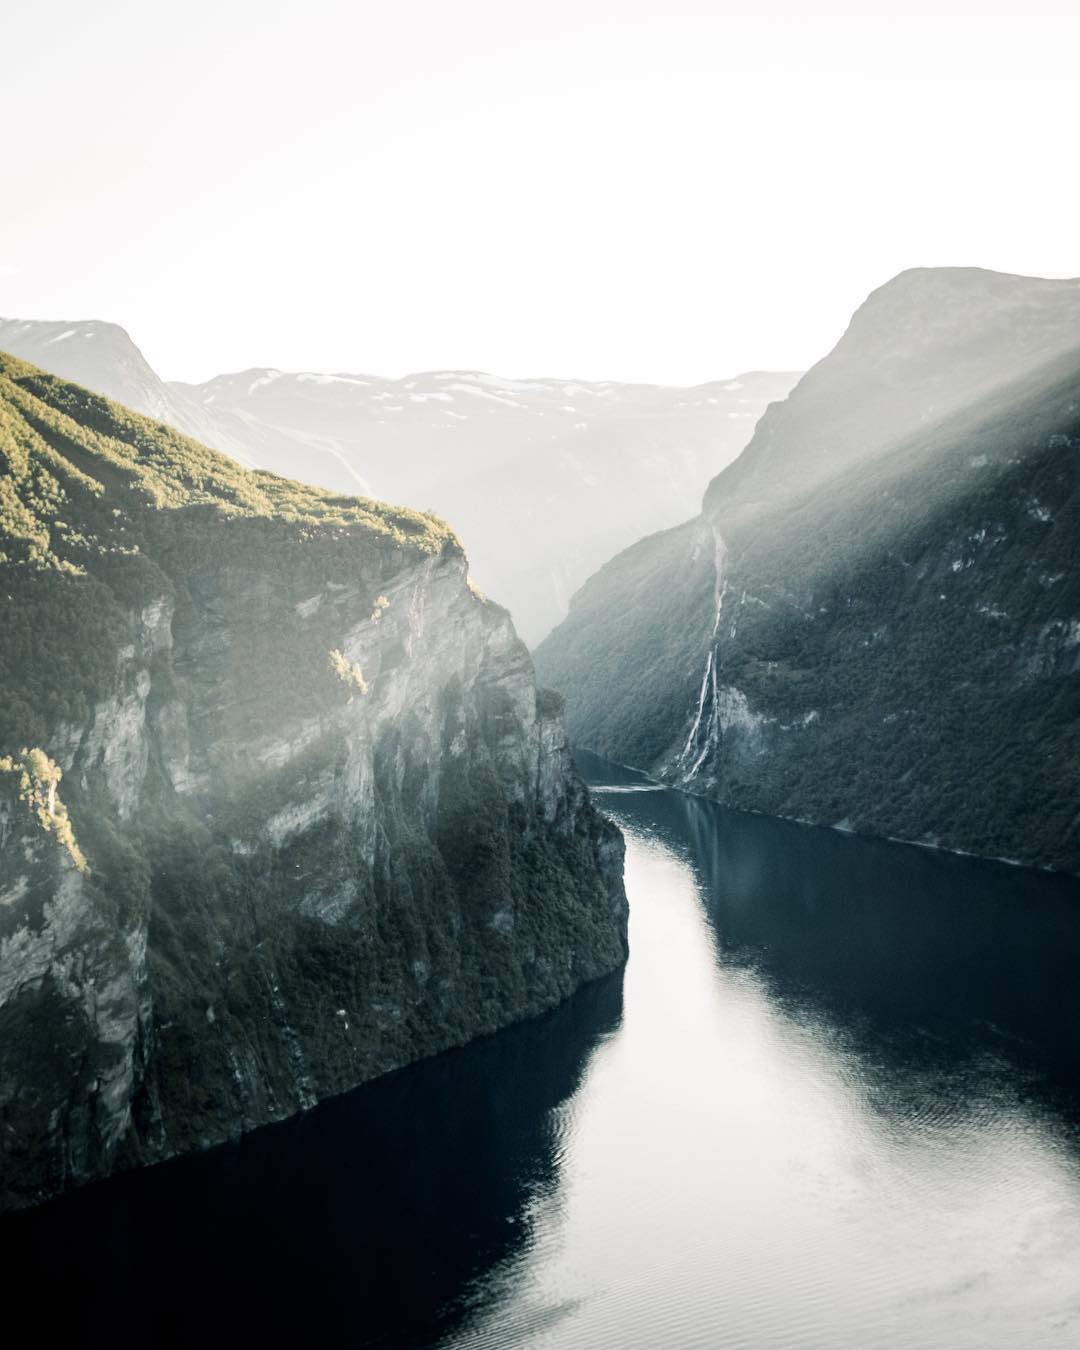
[[320, 821]]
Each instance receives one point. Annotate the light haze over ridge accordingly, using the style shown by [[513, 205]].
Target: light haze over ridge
[[606, 191]]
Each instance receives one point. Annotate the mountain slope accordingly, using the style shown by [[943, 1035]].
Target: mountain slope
[[280, 806], [102, 357], [876, 620], [543, 479]]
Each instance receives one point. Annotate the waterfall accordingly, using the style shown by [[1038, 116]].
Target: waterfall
[[708, 679]]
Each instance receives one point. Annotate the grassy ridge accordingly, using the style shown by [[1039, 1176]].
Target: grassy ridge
[[63, 450], [101, 510]]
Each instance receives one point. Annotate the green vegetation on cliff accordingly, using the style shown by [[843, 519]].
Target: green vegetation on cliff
[[37, 778], [348, 672], [100, 508], [290, 888], [62, 446]]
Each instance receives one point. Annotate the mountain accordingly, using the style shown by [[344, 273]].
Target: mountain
[[281, 807], [875, 621], [543, 479]]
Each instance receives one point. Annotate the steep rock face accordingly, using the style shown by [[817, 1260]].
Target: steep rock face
[[321, 821], [873, 623]]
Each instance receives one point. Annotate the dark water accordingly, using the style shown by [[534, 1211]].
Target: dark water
[[834, 1104]]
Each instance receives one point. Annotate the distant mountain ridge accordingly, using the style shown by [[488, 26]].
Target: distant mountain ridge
[[542, 478], [875, 620]]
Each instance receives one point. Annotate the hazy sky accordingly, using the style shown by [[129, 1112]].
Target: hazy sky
[[666, 191]]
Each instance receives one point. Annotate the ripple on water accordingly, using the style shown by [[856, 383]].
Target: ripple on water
[[778, 1149], [832, 1104]]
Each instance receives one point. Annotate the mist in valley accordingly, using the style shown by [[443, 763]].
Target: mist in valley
[[540, 674]]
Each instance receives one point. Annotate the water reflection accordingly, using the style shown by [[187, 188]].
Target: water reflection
[[835, 1103], [931, 957], [367, 1221], [841, 1111]]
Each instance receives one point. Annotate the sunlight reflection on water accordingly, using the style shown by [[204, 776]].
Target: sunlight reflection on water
[[831, 1104], [745, 1165]]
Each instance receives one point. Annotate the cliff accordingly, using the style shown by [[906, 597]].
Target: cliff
[[280, 806], [875, 622]]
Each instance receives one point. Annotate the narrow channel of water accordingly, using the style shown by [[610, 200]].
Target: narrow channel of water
[[834, 1102]]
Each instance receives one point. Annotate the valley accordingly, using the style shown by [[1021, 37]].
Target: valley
[[543, 479], [540, 676]]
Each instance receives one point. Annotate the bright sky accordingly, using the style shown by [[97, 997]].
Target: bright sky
[[666, 191]]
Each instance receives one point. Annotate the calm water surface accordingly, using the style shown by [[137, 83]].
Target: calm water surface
[[834, 1102]]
